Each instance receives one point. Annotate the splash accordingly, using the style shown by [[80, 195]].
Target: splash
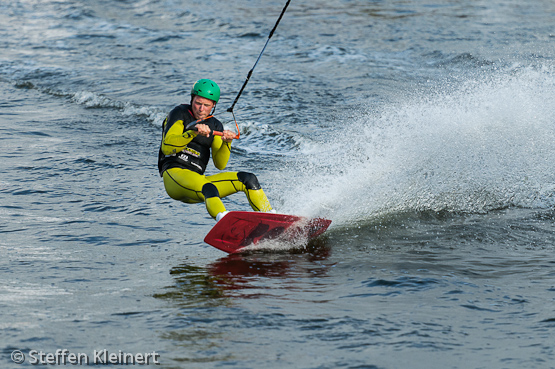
[[484, 145], [94, 100]]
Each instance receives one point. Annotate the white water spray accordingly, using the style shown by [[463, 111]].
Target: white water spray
[[487, 145]]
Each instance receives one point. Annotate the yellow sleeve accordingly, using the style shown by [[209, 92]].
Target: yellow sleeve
[[175, 139], [221, 151]]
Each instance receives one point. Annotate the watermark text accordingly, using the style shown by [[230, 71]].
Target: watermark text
[[65, 357]]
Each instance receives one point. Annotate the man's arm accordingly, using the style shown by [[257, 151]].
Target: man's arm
[[221, 150]]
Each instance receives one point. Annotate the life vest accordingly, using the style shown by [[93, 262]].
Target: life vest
[[196, 154]]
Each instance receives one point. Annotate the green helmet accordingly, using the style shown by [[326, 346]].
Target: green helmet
[[206, 88]]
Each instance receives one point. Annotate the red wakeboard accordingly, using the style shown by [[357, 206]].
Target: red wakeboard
[[239, 229]]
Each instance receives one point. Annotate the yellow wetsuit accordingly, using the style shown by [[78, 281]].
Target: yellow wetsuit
[[183, 158]]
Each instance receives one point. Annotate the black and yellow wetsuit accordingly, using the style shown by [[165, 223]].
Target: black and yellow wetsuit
[[183, 158]]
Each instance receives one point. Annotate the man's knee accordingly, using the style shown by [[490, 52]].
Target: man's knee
[[249, 180], [209, 190]]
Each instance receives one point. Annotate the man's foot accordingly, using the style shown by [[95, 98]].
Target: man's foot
[[221, 215]]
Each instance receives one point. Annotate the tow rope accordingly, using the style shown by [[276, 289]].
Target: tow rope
[[230, 109]]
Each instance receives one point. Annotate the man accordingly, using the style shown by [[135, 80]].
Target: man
[[185, 152]]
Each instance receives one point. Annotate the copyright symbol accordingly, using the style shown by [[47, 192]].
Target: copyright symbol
[[18, 357]]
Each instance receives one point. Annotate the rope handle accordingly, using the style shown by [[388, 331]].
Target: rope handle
[[192, 127]]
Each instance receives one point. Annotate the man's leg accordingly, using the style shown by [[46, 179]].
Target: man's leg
[[191, 187], [231, 182]]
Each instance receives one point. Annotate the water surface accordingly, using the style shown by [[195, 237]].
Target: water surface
[[423, 129]]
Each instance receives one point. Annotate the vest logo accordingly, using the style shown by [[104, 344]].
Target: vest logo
[[188, 150]]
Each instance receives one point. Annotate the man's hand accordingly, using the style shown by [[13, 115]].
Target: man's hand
[[228, 136], [203, 130]]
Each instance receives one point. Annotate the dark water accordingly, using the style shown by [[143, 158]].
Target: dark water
[[424, 129]]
